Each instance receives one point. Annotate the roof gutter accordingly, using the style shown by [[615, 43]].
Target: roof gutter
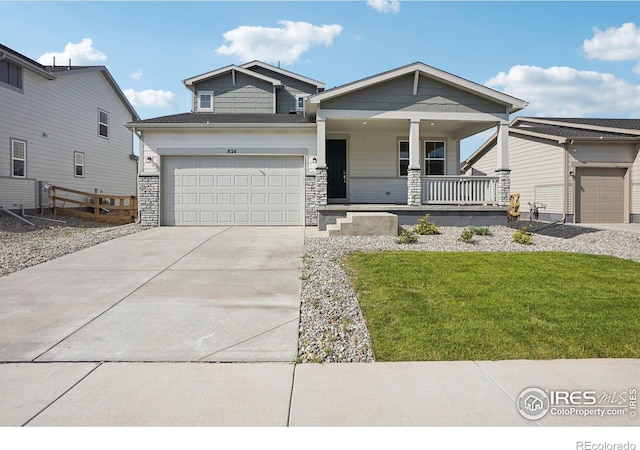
[[204, 126]]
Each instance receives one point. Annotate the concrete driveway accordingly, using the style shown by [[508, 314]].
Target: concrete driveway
[[166, 294]]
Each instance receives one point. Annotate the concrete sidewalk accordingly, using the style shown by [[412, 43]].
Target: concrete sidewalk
[[281, 394]]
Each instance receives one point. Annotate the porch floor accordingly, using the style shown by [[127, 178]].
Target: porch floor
[[441, 215]]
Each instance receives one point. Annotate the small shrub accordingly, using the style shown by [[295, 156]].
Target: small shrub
[[425, 227], [523, 236], [467, 235], [480, 231], [407, 237]]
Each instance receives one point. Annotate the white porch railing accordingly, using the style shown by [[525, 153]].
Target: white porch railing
[[462, 190]]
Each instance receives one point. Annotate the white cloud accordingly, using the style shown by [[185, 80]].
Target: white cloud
[[284, 44], [564, 91], [385, 6], [80, 54], [137, 75], [151, 98], [614, 44]]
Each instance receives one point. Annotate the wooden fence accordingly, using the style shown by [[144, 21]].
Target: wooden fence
[[119, 209]]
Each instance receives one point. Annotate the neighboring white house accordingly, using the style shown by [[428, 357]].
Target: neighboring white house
[[581, 170], [62, 126], [266, 146]]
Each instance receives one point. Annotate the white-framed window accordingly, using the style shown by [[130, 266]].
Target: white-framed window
[[78, 164], [18, 158], [434, 158], [205, 101], [300, 102], [103, 123], [403, 158], [11, 74]]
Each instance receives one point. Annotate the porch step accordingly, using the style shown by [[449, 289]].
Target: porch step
[[365, 224]]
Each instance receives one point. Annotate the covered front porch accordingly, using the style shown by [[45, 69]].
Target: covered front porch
[[392, 142]]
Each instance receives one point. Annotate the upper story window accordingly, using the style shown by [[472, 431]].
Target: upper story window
[[11, 74], [403, 157], [205, 101], [300, 102], [434, 157], [18, 158], [103, 124]]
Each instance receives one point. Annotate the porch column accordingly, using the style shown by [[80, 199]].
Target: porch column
[[414, 172], [503, 189], [321, 164]]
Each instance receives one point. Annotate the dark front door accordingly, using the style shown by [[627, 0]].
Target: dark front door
[[337, 168]]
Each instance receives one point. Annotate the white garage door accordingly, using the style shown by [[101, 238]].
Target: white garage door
[[233, 190]]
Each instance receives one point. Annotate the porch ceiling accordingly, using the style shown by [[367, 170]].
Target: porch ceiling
[[454, 128]]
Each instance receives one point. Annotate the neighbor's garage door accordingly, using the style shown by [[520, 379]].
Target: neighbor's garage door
[[600, 195], [233, 190]]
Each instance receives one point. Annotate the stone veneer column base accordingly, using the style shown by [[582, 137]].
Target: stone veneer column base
[[321, 186], [503, 188], [149, 199], [310, 210], [414, 187]]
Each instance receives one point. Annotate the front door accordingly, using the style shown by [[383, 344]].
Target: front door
[[337, 169]]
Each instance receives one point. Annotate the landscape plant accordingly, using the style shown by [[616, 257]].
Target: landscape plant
[[523, 236], [426, 227], [407, 237]]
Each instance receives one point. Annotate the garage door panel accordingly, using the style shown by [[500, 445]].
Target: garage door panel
[[227, 190], [600, 195]]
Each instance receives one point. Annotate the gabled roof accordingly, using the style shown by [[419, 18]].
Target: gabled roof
[[61, 71], [23, 61], [563, 130], [189, 82], [286, 73], [514, 104]]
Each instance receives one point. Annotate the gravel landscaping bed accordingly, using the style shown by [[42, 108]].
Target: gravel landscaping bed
[[332, 328], [23, 246]]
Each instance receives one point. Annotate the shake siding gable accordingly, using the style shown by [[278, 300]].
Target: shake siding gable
[[248, 95], [397, 94]]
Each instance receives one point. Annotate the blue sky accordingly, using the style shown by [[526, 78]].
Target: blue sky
[[564, 58]]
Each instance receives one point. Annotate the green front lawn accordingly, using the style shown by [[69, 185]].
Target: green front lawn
[[422, 306]]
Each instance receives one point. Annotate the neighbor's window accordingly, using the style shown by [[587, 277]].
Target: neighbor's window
[[78, 162], [434, 158], [18, 158], [11, 74], [403, 157], [205, 101], [103, 123]]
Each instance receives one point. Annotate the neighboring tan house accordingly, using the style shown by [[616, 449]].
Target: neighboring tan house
[[62, 126], [581, 170], [265, 146]]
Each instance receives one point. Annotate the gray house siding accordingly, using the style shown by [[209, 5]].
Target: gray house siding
[[247, 95], [432, 96], [286, 96], [57, 118]]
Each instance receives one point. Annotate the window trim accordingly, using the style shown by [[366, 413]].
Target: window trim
[[76, 165], [107, 124], [200, 108], [426, 159], [299, 98], [400, 159], [20, 82], [13, 158]]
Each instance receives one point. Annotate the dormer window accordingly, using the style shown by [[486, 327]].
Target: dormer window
[[205, 101]]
